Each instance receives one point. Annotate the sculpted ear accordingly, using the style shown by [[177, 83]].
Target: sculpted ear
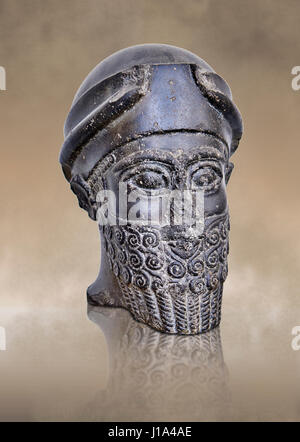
[[228, 170], [84, 194]]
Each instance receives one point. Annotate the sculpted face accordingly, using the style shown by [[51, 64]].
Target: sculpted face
[[171, 276], [164, 163]]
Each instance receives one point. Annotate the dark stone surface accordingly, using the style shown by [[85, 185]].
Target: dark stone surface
[[156, 118]]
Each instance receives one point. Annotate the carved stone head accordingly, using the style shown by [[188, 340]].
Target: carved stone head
[[147, 146]]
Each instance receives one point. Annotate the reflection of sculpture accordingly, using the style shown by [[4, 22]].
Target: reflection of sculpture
[[154, 375], [156, 118]]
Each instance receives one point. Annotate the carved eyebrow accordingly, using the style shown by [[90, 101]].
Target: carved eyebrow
[[143, 160], [206, 153], [166, 159]]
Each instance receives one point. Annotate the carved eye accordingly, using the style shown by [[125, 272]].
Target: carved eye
[[207, 178], [149, 180]]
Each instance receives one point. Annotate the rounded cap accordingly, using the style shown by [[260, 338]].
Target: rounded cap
[[140, 91]]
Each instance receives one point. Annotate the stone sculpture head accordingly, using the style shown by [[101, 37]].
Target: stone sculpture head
[[149, 121]]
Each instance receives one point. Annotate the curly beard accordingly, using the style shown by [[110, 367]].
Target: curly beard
[[169, 279]]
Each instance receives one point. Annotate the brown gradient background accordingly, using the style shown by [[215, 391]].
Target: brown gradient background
[[56, 359]]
